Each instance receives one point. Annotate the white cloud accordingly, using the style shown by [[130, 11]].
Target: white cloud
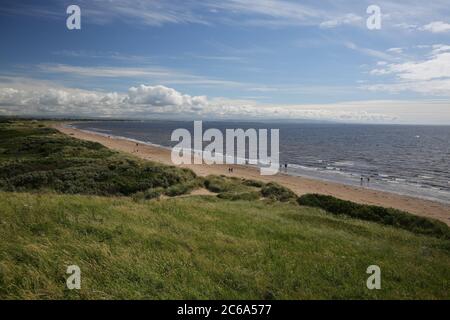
[[103, 55], [161, 96], [152, 13], [370, 52], [106, 72], [437, 66], [408, 15], [395, 50], [430, 87], [146, 101], [406, 26], [436, 27], [279, 12], [379, 72], [438, 48], [428, 76], [147, 73], [348, 19]]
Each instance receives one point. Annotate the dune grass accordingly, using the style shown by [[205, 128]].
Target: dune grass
[[36, 158], [387, 216], [204, 247]]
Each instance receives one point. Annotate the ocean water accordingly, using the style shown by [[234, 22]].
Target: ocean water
[[411, 160]]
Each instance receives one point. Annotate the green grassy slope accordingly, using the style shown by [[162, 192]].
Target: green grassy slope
[[205, 247], [33, 158], [69, 202]]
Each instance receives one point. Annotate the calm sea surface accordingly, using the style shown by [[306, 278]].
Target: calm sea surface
[[412, 160]]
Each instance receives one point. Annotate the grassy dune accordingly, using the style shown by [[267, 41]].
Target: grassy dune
[[35, 158], [68, 202], [205, 247]]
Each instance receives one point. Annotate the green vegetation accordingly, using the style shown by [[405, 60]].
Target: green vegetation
[[66, 201], [204, 247], [253, 183], [219, 184], [249, 196], [35, 158], [276, 192], [386, 216]]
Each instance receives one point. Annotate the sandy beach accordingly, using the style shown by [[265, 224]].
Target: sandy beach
[[299, 185]]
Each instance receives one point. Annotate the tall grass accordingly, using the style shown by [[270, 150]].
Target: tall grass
[[203, 247], [386, 216], [36, 158]]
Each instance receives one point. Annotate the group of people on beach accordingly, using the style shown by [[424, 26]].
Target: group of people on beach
[[362, 180]]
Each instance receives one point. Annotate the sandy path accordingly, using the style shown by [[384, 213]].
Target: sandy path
[[299, 185]]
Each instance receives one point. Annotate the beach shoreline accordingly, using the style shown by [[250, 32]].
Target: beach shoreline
[[300, 185]]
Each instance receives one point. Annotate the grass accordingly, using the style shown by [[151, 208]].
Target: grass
[[279, 193], [220, 184], [386, 216], [64, 201], [203, 247], [39, 158]]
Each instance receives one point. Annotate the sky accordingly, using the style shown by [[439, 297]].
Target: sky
[[235, 59]]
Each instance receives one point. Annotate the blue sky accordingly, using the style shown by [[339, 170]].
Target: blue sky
[[237, 59]]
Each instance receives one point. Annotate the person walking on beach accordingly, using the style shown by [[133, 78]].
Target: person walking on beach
[[362, 181], [368, 181]]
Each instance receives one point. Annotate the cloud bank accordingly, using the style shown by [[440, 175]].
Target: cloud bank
[[145, 101]]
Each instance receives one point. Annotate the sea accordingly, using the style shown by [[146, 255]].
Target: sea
[[405, 159]]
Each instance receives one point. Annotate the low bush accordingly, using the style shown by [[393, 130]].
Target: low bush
[[224, 184], [234, 196], [36, 158], [153, 193], [276, 192], [386, 216], [220, 184], [178, 190], [253, 183]]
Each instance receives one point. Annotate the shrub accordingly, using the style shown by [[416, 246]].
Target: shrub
[[386, 216], [37, 158], [276, 192], [177, 190], [253, 183], [247, 196], [153, 193], [218, 184], [183, 188], [138, 196], [221, 184]]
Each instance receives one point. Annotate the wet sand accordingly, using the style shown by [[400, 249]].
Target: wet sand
[[299, 185]]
